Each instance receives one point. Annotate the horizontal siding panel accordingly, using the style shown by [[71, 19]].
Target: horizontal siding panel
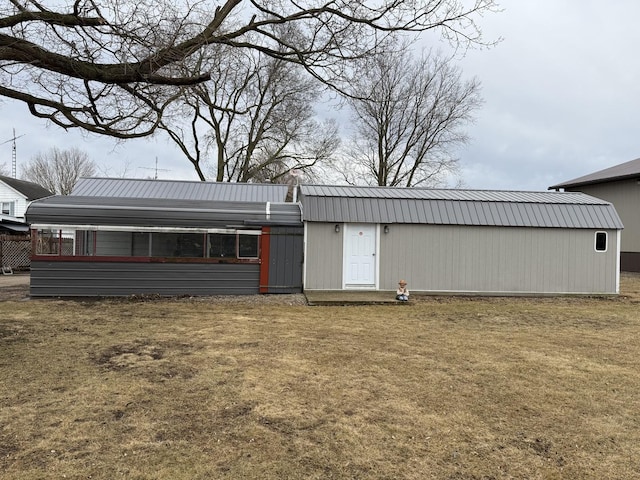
[[74, 210], [77, 279]]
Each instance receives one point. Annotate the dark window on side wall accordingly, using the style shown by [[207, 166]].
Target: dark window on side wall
[[222, 245], [140, 244], [177, 245], [248, 246], [601, 241]]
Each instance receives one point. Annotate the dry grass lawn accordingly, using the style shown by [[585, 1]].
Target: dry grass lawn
[[444, 388]]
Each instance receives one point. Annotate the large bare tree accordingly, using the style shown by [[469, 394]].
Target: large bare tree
[[113, 66], [254, 121], [59, 170], [409, 117]]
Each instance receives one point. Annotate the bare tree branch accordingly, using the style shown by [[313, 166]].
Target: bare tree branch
[[409, 116], [80, 62], [259, 118]]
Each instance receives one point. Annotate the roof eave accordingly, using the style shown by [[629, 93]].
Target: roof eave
[[594, 181]]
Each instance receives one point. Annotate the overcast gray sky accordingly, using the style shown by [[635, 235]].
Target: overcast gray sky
[[561, 93], [561, 98]]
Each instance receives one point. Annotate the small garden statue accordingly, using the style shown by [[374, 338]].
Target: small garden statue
[[402, 293]]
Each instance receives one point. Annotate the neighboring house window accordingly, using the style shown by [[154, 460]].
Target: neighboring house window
[[601, 241], [8, 208]]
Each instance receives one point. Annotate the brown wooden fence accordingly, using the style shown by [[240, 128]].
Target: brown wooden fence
[[15, 251]]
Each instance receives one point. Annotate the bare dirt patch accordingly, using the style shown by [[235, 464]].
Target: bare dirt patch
[[14, 287]]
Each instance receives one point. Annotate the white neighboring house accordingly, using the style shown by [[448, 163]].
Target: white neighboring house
[[15, 197]]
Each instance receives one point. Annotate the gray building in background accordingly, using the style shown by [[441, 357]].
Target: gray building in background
[[619, 185], [459, 241], [114, 237]]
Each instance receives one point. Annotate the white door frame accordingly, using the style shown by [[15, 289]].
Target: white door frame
[[375, 229]]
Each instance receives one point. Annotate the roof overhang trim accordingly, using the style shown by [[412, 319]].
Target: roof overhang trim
[[131, 228]]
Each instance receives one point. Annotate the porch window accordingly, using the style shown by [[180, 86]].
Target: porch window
[[248, 246], [177, 245], [141, 244], [48, 242], [54, 242], [222, 245], [85, 242], [227, 245]]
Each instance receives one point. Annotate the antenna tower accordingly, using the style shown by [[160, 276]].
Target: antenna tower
[[14, 154], [14, 157], [156, 169]]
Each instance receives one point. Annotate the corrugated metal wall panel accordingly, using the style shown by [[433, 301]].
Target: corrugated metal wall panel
[[323, 257], [285, 259], [496, 260], [79, 279]]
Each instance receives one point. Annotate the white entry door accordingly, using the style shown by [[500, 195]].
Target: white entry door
[[360, 255]]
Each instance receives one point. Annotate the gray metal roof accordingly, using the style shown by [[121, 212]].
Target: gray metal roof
[[456, 207], [623, 171], [30, 190], [154, 212], [180, 190]]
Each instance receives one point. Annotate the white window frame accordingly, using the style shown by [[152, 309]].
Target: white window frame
[[606, 241], [11, 207]]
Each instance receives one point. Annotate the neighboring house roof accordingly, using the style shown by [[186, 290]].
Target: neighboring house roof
[[159, 212], [623, 171], [30, 190], [13, 224], [456, 207], [180, 190]]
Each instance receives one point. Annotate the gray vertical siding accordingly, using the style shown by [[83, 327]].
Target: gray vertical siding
[[488, 260], [497, 260], [79, 279], [285, 259], [323, 257]]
